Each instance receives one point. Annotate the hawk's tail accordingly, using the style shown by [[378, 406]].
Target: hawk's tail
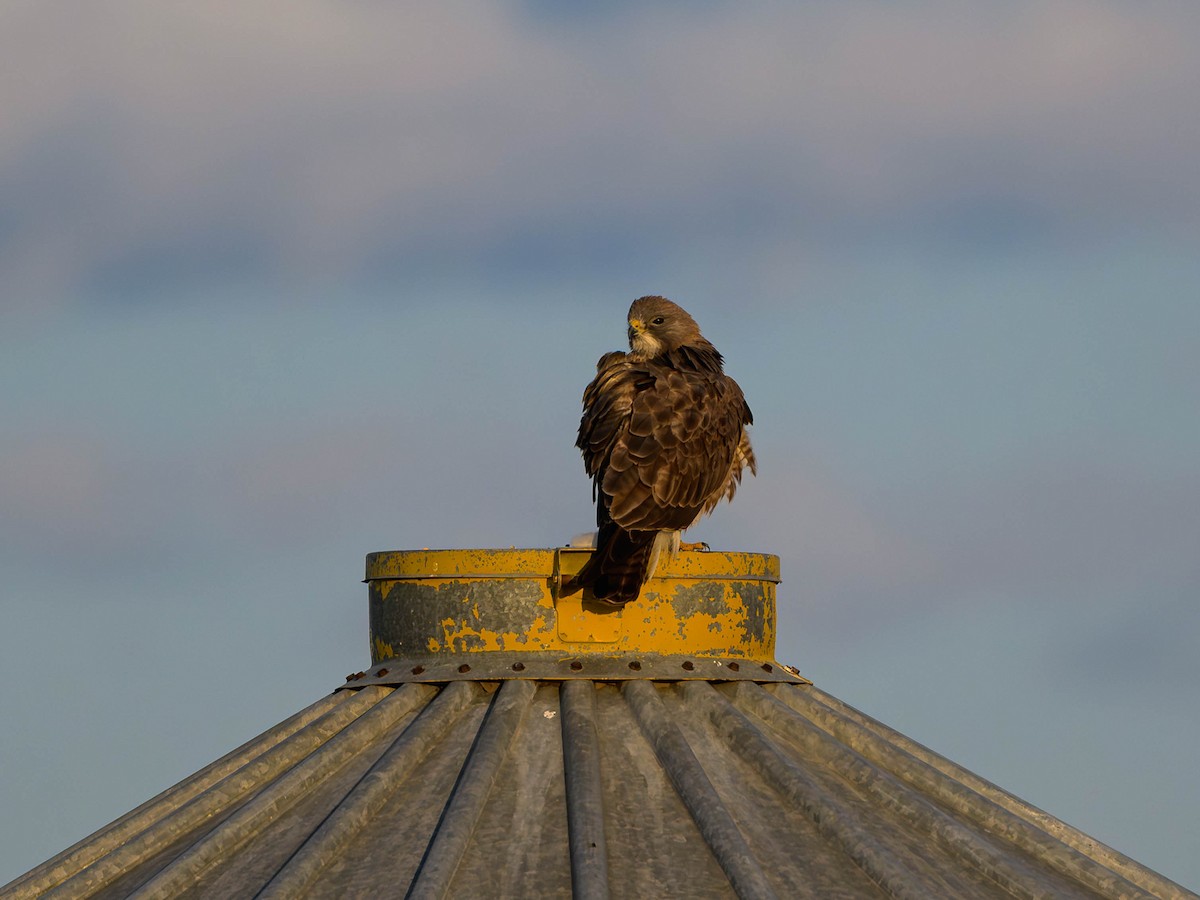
[[619, 566]]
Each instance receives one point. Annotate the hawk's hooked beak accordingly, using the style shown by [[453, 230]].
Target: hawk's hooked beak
[[635, 328]]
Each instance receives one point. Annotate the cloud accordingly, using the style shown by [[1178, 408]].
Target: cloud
[[78, 504], [1093, 546], [146, 145], [839, 549], [1144, 647], [1078, 527]]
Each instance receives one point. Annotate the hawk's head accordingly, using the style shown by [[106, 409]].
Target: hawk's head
[[656, 326]]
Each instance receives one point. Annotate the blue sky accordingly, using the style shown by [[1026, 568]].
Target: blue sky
[[278, 291]]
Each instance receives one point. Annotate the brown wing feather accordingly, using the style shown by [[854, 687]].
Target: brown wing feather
[[664, 440], [676, 455], [661, 442], [606, 405]]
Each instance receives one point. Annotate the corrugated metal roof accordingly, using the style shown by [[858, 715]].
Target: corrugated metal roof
[[594, 770], [558, 788]]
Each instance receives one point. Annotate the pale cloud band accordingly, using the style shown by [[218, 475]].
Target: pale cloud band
[[144, 142]]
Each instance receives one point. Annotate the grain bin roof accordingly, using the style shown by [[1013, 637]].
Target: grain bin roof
[[474, 769]]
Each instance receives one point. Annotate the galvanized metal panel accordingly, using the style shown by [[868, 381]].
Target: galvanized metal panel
[[519, 845], [693, 789]]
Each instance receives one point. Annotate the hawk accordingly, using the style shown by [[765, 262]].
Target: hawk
[[663, 436]]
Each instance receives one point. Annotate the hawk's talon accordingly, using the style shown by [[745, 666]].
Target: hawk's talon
[[699, 545]]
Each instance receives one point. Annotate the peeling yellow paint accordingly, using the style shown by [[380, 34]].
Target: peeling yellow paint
[[712, 603], [380, 650]]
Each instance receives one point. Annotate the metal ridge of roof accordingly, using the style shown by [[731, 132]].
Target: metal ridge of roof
[[511, 739]]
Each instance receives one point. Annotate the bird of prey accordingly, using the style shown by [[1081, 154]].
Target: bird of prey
[[663, 436]]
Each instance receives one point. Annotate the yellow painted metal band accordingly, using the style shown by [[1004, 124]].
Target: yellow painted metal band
[[523, 563], [439, 602]]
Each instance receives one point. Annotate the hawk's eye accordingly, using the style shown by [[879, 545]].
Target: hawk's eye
[[658, 320]]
